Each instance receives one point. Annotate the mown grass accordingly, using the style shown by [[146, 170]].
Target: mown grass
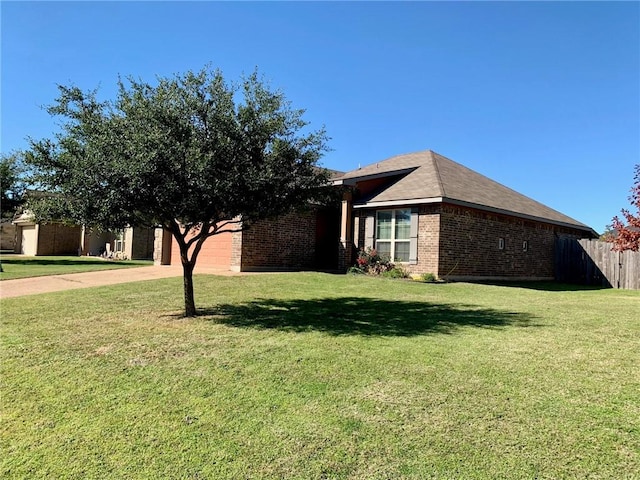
[[320, 376], [18, 266]]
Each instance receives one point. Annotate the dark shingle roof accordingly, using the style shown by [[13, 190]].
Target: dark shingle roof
[[429, 176]]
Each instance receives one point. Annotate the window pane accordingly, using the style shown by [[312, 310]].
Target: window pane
[[384, 249], [384, 225], [403, 224], [401, 252]]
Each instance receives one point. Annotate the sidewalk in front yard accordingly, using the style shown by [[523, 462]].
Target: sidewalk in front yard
[[54, 283]]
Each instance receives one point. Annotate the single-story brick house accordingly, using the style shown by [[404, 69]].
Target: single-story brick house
[[305, 240], [435, 215], [426, 211]]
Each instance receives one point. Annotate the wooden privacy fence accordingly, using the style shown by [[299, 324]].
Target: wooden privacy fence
[[592, 262]]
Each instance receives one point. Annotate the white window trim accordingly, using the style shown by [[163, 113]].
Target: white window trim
[[392, 240]]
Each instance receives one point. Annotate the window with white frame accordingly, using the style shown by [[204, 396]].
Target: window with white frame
[[393, 230]]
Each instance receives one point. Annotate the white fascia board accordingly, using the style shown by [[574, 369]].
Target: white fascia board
[[337, 183], [395, 203]]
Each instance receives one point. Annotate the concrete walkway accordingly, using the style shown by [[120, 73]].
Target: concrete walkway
[[55, 283]]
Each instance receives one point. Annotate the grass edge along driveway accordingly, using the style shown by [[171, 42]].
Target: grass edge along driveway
[[322, 376], [18, 266]]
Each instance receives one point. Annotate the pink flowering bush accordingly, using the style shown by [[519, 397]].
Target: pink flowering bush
[[371, 263]]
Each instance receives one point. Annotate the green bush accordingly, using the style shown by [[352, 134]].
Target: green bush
[[395, 272], [428, 277], [355, 271]]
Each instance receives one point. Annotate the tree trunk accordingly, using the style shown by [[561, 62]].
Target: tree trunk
[[189, 300], [188, 264]]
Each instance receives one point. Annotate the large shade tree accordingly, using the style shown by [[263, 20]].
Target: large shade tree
[[191, 153], [626, 233]]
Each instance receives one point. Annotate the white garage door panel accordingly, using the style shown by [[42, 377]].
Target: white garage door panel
[[29, 241]]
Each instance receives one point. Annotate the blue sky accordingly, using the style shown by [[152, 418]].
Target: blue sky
[[543, 97]]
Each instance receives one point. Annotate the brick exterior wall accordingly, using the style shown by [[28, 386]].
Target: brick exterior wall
[[284, 243], [236, 251], [58, 239], [428, 241], [457, 242], [470, 245]]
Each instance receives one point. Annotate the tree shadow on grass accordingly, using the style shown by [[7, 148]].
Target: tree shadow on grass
[[363, 316]]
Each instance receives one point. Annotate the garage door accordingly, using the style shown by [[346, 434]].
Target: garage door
[[215, 253], [29, 242]]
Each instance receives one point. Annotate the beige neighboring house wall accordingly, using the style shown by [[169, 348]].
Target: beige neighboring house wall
[[132, 243], [32, 239], [53, 238], [162, 246], [94, 243], [26, 235], [138, 243]]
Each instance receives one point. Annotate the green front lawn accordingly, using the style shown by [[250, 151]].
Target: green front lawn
[[18, 266], [312, 376]]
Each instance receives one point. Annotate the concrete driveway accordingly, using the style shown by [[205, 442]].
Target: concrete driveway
[[55, 283]]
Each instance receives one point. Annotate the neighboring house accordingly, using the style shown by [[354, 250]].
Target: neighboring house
[[7, 234], [137, 243], [45, 239], [131, 243], [54, 238], [434, 215]]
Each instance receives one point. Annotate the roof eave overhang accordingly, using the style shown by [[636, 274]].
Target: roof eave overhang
[[351, 181], [453, 201]]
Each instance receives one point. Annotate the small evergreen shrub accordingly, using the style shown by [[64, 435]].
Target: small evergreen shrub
[[428, 278], [355, 271], [396, 272]]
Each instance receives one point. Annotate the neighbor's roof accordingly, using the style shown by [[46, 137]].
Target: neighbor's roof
[[427, 177]]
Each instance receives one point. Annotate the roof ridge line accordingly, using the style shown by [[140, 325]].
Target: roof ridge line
[[435, 166]]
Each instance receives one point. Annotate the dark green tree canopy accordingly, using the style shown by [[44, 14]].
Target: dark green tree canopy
[[192, 153], [185, 149], [12, 182]]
